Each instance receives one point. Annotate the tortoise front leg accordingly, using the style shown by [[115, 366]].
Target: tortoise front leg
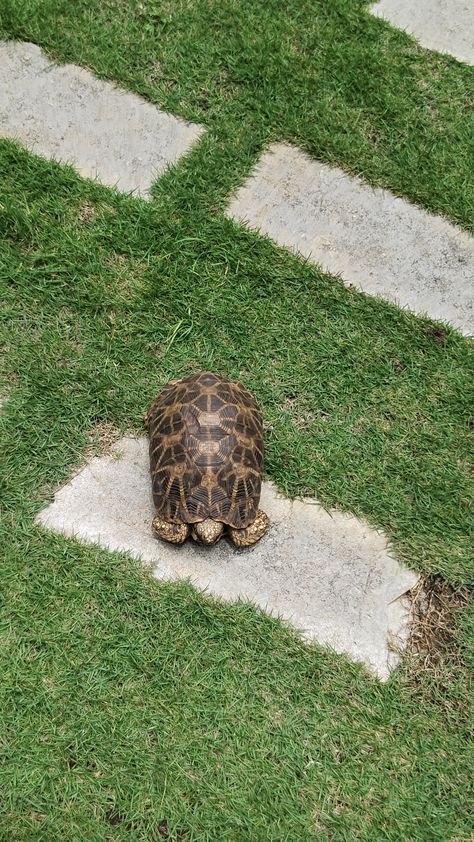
[[174, 533], [252, 533]]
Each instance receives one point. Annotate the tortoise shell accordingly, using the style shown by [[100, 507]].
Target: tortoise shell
[[206, 451]]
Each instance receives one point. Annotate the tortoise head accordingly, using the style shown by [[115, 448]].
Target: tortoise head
[[207, 531]]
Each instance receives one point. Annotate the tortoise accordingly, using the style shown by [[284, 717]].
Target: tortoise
[[206, 460]]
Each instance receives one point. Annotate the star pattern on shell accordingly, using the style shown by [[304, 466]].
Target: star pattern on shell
[[206, 451]]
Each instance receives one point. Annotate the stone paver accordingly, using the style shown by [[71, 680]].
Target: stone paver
[[64, 112], [373, 239], [443, 25], [329, 574]]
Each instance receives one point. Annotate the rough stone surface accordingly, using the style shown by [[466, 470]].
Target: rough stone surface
[[329, 574], [370, 237], [443, 25], [65, 113]]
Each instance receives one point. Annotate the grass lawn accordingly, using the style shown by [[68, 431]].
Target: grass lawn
[[132, 710]]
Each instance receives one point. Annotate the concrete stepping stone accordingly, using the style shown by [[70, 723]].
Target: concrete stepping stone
[[443, 25], [373, 239], [329, 574], [64, 112]]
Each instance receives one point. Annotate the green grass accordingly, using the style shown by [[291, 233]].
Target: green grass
[[133, 710], [325, 75]]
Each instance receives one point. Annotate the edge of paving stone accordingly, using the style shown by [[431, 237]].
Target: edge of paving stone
[[50, 63], [277, 147]]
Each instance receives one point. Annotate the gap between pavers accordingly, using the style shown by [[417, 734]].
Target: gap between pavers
[[329, 574], [371, 238], [443, 25], [65, 113]]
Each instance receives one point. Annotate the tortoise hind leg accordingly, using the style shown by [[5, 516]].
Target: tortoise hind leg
[[252, 533], [174, 533]]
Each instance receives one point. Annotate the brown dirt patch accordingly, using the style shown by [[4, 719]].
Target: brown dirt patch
[[435, 606], [439, 334]]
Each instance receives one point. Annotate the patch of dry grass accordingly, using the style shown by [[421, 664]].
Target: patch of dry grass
[[436, 606]]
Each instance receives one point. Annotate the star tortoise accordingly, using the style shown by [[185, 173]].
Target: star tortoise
[[206, 460]]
